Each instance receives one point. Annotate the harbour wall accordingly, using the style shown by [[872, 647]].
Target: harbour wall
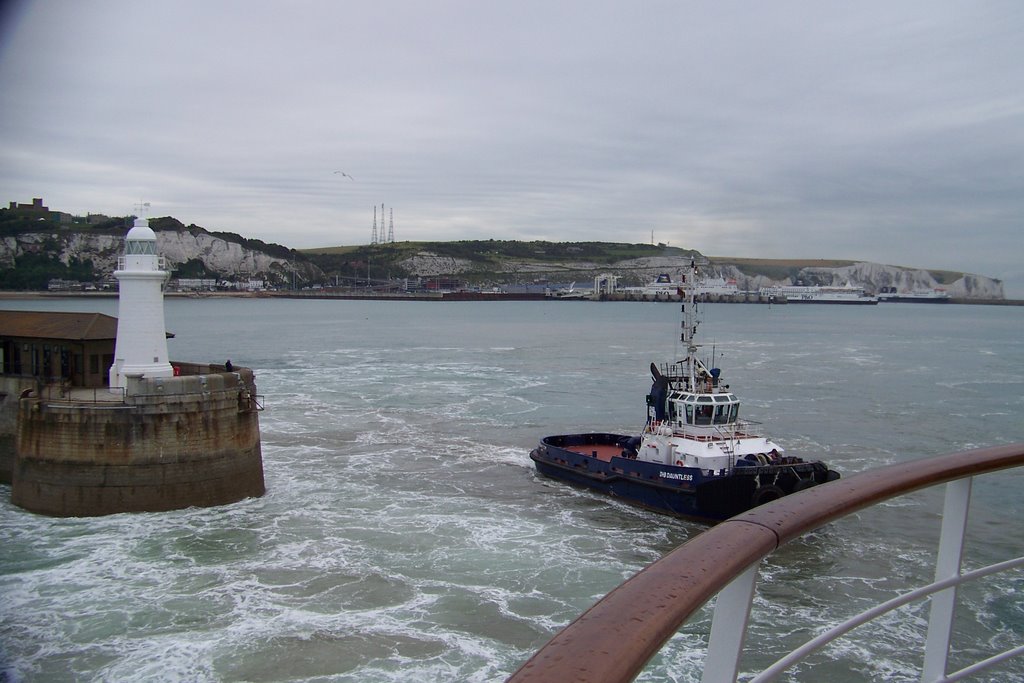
[[10, 391], [167, 443]]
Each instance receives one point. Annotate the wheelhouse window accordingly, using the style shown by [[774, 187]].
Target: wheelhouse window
[[705, 411]]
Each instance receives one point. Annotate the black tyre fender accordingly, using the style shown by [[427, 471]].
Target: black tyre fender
[[765, 494]]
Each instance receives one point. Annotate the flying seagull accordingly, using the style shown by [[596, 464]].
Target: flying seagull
[[345, 174]]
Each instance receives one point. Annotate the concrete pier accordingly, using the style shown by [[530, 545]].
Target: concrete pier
[[166, 443]]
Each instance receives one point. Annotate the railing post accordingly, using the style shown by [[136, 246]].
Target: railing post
[[729, 628], [947, 565]]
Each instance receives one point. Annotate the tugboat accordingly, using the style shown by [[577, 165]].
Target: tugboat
[[695, 457]]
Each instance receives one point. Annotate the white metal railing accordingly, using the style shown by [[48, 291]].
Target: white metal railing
[[715, 432], [161, 263], [732, 611]]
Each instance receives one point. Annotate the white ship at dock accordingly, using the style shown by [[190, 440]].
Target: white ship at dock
[[820, 294], [664, 287]]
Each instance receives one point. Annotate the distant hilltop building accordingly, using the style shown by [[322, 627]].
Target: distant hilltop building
[[36, 206], [95, 420]]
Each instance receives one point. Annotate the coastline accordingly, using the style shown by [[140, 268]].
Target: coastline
[[425, 296]]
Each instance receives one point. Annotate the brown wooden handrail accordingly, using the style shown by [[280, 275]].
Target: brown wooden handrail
[[613, 640]]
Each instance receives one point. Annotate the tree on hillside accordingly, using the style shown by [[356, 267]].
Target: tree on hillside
[[33, 271]]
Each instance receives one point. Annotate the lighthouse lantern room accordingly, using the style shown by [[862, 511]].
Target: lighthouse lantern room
[[141, 346]]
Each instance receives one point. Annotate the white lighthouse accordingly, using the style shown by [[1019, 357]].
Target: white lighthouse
[[141, 347]]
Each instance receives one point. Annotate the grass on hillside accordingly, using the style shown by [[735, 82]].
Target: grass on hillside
[[490, 251]]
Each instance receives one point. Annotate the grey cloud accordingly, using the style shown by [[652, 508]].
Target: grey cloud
[[839, 130]]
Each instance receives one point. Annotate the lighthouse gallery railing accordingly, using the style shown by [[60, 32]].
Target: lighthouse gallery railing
[[613, 640]]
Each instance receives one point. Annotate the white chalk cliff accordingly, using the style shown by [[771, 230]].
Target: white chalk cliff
[[234, 257], [871, 276], [219, 255]]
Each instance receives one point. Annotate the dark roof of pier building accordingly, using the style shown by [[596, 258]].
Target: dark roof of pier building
[[65, 326], [49, 325]]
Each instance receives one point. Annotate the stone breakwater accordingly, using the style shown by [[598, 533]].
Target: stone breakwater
[[168, 443]]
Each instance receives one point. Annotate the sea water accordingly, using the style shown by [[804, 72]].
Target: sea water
[[405, 536]]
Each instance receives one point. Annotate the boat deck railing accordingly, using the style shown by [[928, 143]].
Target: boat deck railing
[[613, 640], [730, 431]]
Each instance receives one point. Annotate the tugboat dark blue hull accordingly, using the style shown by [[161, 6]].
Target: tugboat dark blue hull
[[606, 463]]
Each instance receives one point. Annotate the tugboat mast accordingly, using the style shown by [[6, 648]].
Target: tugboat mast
[[690, 322]]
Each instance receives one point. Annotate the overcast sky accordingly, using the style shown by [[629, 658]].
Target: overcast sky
[[883, 131]]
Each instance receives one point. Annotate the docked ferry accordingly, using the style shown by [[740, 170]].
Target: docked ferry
[[914, 296], [815, 294], [664, 288], [695, 457]]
